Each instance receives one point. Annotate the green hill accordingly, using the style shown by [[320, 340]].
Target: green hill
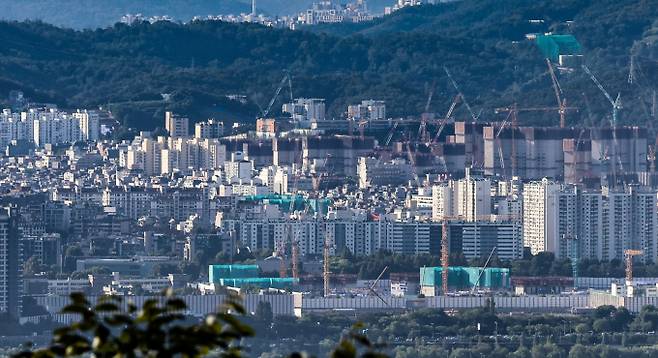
[[396, 58]]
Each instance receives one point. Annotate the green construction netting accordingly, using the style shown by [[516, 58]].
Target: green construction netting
[[552, 46], [217, 272], [467, 277]]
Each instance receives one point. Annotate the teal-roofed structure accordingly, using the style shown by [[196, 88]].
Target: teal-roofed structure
[[552, 46], [219, 272], [299, 203], [461, 278], [246, 275], [260, 282]]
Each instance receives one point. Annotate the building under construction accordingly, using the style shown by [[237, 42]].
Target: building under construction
[[463, 278], [338, 154], [570, 153]]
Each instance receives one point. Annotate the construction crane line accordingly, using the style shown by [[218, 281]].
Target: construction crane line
[[286, 77], [454, 84]]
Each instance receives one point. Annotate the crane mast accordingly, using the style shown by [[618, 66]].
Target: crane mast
[[325, 265], [454, 84], [445, 256], [616, 106], [616, 103], [286, 77], [557, 89], [629, 254]]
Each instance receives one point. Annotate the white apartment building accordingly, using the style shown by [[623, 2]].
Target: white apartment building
[[597, 224], [540, 224], [49, 126], [165, 155], [89, 122], [275, 178], [209, 129], [353, 232], [238, 169], [473, 197], [176, 125], [65, 287], [442, 201], [60, 130], [243, 188], [468, 199], [371, 110], [630, 221], [306, 110]]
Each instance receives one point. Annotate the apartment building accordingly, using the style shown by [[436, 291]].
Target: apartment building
[[209, 129], [306, 111], [467, 199], [540, 208], [11, 259], [590, 224], [369, 110], [176, 125], [477, 239]]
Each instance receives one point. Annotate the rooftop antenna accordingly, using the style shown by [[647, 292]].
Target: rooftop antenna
[[253, 7]]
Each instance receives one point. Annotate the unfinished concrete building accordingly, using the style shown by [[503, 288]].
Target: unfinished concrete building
[[337, 154]]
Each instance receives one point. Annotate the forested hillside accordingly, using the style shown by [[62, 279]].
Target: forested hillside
[[396, 58]]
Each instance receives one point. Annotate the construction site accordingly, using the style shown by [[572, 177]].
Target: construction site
[[420, 152]]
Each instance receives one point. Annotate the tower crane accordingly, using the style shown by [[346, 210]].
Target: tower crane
[[391, 132], [616, 103], [574, 243], [283, 269], [561, 102], [459, 92], [372, 290], [362, 128], [651, 157], [447, 117], [484, 267], [325, 266], [616, 106], [282, 83], [426, 116], [497, 142], [628, 255], [412, 161]]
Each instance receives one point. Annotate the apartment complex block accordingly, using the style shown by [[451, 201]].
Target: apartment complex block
[[593, 224], [164, 155], [370, 110], [49, 126], [467, 199], [176, 125]]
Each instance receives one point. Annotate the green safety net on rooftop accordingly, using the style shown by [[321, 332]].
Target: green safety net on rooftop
[[552, 46]]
